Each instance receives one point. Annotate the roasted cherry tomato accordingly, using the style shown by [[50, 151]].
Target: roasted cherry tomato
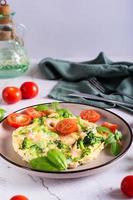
[[110, 126], [127, 186], [19, 197], [11, 95], [90, 115], [66, 126], [18, 119], [33, 113], [29, 90]]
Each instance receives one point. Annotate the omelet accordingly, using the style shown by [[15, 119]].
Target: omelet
[[40, 136]]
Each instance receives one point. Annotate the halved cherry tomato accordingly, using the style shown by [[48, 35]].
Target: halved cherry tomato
[[110, 126], [19, 197], [33, 113], [18, 119], [90, 115], [127, 186], [66, 126]]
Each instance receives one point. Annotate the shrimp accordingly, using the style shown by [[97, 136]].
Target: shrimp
[[82, 134], [51, 123], [54, 114], [73, 165], [75, 151], [69, 139]]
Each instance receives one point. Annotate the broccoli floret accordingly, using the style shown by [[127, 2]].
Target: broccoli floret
[[59, 144], [80, 144], [36, 148], [85, 152], [82, 124], [26, 144], [64, 113], [92, 139]]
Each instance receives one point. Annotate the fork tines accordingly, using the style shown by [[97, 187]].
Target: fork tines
[[97, 84]]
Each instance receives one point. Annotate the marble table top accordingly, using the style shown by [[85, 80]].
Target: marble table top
[[104, 186]]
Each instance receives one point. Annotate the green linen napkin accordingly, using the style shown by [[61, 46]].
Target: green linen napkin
[[73, 77]]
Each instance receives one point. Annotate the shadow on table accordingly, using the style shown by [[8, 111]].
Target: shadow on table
[[117, 194], [70, 181], [35, 72]]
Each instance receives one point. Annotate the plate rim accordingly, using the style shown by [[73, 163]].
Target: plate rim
[[74, 171]]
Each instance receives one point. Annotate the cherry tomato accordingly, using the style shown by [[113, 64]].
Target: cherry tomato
[[90, 115], [11, 95], [66, 126], [18, 119], [110, 126], [19, 197], [127, 186], [46, 112], [33, 113], [29, 90]]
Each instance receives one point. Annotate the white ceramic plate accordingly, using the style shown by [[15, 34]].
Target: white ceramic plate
[[103, 161]]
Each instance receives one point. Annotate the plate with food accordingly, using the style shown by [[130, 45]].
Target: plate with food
[[64, 140]]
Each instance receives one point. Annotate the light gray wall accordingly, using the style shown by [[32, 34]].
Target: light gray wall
[[76, 28]]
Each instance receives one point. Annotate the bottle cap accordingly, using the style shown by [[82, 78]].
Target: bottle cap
[[4, 8]]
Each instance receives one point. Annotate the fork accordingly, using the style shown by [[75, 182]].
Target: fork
[[106, 91]]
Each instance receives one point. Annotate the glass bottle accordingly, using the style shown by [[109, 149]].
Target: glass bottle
[[13, 57]]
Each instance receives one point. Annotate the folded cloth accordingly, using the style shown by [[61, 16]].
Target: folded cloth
[[73, 77]]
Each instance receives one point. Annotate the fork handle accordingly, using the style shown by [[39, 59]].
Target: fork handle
[[123, 94], [103, 99], [119, 105], [125, 108]]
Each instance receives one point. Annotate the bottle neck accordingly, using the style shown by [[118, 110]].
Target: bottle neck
[[6, 32]]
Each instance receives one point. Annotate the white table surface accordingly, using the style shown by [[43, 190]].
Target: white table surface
[[103, 186]]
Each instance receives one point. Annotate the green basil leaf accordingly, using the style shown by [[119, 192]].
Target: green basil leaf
[[2, 16], [57, 158], [2, 113], [102, 129], [110, 139], [55, 105], [41, 107], [118, 135], [43, 164], [115, 148]]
